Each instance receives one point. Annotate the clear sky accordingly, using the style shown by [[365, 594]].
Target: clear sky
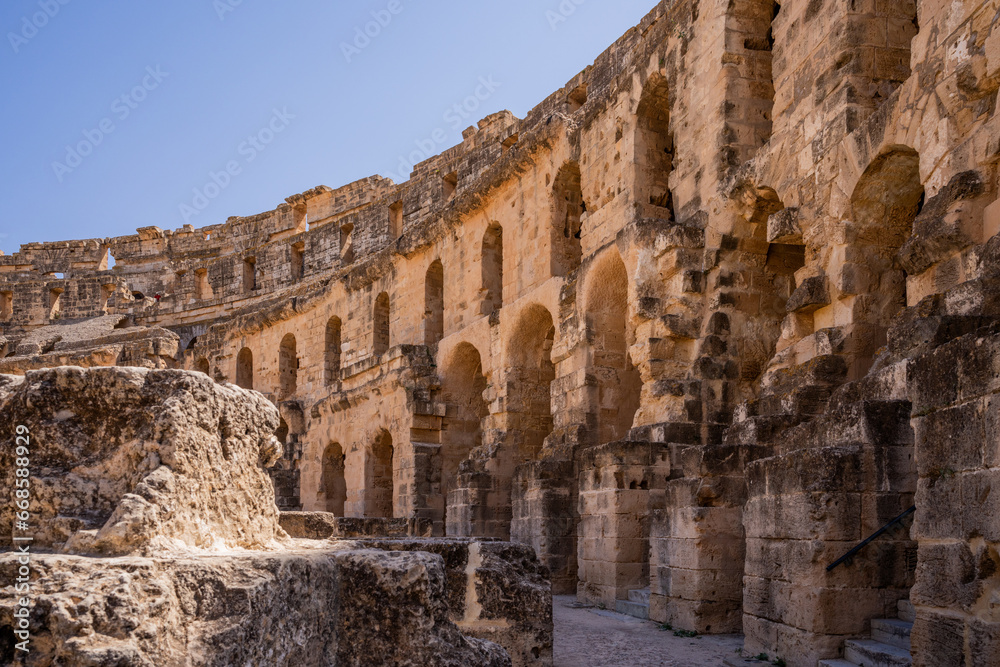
[[115, 113]]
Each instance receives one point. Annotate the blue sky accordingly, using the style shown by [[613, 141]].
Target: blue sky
[[116, 113]]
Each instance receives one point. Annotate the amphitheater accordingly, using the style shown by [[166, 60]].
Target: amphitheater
[[708, 317]]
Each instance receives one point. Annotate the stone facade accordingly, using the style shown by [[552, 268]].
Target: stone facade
[[684, 326]]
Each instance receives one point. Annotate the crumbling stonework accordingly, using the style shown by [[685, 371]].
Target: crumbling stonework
[[684, 329], [165, 472]]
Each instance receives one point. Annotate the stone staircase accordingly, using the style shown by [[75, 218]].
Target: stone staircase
[[889, 645], [637, 604]]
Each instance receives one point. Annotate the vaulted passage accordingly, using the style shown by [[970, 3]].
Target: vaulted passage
[[567, 217], [380, 325], [244, 368], [434, 305], [333, 485], [463, 385], [616, 398], [492, 269], [654, 150], [379, 471], [288, 366]]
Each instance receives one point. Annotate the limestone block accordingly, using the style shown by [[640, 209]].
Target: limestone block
[[305, 607], [136, 459]]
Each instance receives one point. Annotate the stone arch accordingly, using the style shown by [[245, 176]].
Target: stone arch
[[380, 325], [654, 149], [434, 304], [492, 268], [244, 368], [331, 356], [530, 375], [568, 208], [380, 464], [619, 384], [884, 204], [202, 366], [463, 384], [333, 483], [288, 366]]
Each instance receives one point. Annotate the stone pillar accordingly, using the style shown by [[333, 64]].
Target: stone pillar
[[852, 473], [619, 484], [545, 517]]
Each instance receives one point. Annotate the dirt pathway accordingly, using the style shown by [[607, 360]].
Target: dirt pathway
[[593, 637]]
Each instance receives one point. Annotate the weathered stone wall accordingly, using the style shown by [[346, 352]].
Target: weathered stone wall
[[684, 269], [164, 471]]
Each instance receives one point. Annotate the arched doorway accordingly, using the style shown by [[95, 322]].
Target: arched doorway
[[333, 484], [618, 387], [288, 366], [244, 368], [379, 472], [463, 384]]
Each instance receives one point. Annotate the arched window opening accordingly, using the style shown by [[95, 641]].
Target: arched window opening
[[434, 305], [492, 269], [450, 184], [380, 317], [396, 220], [463, 384], [346, 244], [654, 150], [618, 381], [288, 366], [333, 484], [333, 344], [202, 287], [567, 213], [530, 376], [244, 368], [6, 305], [202, 366], [379, 486], [298, 251], [55, 303], [249, 274]]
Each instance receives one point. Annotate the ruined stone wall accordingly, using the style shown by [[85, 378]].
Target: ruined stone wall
[[643, 329]]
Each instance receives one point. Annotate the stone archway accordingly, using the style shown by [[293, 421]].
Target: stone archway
[[463, 384], [333, 483], [615, 398], [379, 478]]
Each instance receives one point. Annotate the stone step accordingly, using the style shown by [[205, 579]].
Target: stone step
[[892, 631], [636, 609], [906, 612], [837, 662], [640, 595], [872, 653]]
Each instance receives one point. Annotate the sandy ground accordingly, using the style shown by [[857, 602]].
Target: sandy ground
[[596, 638]]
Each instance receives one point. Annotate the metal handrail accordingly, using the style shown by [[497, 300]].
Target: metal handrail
[[855, 550]]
